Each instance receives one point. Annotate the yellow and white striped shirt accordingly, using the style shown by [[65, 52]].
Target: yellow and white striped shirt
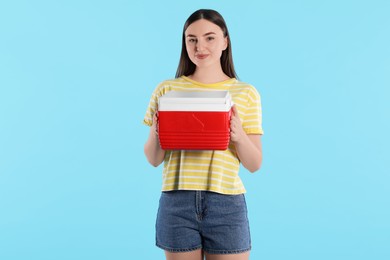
[[209, 170]]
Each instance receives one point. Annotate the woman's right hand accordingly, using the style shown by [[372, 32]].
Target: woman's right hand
[[155, 123], [152, 148]]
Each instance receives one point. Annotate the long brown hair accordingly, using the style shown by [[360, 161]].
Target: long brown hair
[[186, 66]]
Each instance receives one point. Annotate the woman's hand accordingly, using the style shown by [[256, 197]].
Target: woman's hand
[[152, 148], [237, 133], [154, 126], [248, 147]]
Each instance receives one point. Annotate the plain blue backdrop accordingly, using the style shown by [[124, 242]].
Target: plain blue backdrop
[[75, 81]]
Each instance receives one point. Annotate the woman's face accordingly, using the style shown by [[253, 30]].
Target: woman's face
[[205, 42]]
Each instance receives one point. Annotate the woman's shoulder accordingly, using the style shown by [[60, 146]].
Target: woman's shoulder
[[244, 85], [168, 84], [165, 85], [171, 81]]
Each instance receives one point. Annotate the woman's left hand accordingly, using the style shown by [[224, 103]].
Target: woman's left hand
[[237, 133], [247, 147]]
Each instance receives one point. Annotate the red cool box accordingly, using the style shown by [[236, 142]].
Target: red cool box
[[194, 120]]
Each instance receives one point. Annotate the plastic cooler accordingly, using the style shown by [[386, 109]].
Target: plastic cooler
[[194, 120]]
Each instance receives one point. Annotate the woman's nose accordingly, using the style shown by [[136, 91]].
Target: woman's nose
[[199, 45]]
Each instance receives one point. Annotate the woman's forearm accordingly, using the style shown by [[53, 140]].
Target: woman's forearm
[[152, 149], [249, 152]]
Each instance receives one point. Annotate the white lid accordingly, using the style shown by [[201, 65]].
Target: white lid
[[195, 101]]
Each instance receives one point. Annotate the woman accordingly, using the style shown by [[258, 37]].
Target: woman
[[202, 211]]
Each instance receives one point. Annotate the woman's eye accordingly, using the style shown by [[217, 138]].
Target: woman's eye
[[192, 40], [210, 38]]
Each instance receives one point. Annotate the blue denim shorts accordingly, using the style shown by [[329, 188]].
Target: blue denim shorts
[[191, 220]]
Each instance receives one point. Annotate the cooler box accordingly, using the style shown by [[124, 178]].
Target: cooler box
[[194, 120]]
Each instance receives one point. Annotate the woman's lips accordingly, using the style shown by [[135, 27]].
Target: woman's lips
[[201, 56]]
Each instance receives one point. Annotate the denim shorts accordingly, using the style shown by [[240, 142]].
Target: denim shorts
[[191, 220]]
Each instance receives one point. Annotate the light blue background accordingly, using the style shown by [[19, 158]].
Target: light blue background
[[75, 81]]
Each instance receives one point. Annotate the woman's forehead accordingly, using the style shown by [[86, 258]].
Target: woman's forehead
[[202, 27]]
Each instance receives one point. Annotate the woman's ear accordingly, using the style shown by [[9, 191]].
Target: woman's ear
[[225, 43]]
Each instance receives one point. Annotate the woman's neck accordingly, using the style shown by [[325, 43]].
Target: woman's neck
[[208, 76]]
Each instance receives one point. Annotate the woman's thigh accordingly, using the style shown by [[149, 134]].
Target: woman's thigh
[[242, 256], [225, 225], [193, 255]]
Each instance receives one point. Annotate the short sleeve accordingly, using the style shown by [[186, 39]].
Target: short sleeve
[[252, 120], [152, 107]]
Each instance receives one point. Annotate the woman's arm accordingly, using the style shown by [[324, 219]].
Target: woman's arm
[[248, 147], [152, 149]]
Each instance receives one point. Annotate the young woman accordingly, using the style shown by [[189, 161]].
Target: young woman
[[202, 211]]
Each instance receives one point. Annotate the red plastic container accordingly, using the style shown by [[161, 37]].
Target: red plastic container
[[194, 120]]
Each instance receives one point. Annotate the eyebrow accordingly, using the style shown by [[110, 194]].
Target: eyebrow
[[206, 34]]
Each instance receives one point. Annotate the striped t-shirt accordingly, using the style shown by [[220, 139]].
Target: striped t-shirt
[[210, 170]]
